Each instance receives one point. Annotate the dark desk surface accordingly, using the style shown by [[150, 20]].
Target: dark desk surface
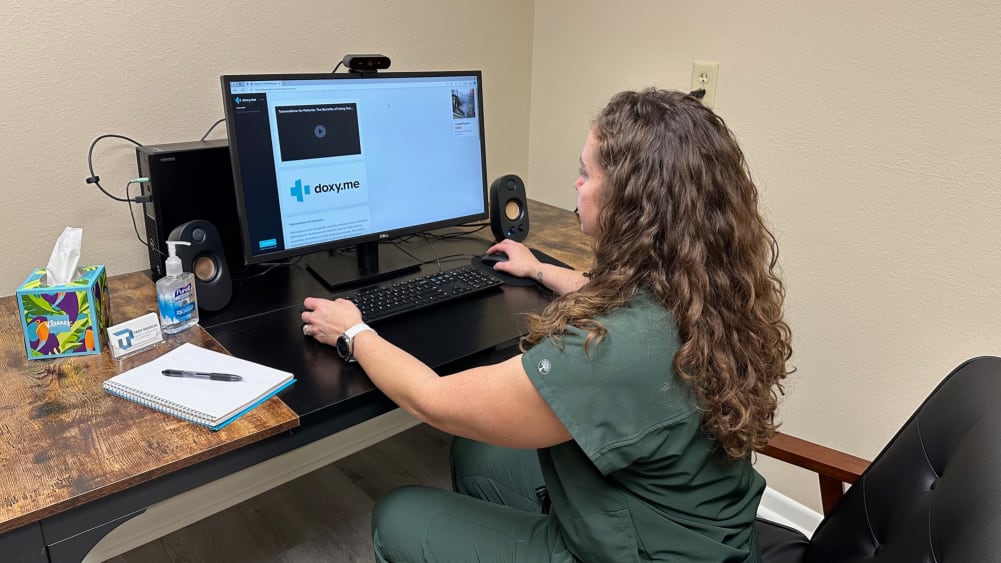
[[265, 324], [64, 443]]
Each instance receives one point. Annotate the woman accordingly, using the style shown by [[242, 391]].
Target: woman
[[645, 386]]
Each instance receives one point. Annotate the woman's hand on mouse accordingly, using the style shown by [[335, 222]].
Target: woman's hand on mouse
[[520, 260], [326, 320]]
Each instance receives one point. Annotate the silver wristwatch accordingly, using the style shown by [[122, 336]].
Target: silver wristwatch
[[346, 341]]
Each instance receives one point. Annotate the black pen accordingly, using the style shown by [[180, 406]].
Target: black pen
[[201, 374]]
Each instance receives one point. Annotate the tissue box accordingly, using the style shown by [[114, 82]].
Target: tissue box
[[64, 320]]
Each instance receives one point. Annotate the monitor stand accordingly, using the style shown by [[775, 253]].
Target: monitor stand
[[369, 265]]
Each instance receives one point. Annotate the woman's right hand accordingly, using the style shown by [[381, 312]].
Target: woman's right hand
[[522, 263], [520, 260]]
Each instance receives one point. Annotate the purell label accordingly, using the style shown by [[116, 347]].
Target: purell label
[[182, 291]]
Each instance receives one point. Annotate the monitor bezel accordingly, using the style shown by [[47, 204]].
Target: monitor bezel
[[250, 259]]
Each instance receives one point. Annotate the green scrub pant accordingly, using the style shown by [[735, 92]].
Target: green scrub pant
[[493, 515]]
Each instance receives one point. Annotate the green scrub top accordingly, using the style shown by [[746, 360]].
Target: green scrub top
[[640, 481]]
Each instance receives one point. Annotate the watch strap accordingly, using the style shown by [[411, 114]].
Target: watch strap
[[358, 328], [349, 340]]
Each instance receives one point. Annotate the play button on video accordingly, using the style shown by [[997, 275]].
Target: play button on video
[[320, 131]]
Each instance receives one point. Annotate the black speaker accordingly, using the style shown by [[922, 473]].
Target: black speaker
[[206, 259], [508, 208], [188, 181]]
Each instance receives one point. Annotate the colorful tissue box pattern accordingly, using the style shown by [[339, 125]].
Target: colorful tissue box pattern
[[64, 320]]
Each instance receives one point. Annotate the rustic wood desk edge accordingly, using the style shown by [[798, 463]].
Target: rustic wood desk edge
[[78, 444]]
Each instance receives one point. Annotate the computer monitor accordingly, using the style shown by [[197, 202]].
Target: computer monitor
[[323, 162]]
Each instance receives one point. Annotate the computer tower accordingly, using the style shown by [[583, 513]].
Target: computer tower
[[189, 181]]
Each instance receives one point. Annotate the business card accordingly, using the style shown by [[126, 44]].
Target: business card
[[134, 335]]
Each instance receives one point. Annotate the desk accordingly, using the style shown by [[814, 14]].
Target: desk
[[65, 443], [77, 462]]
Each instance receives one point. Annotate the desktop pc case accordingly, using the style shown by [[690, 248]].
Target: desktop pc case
[[189, 181]]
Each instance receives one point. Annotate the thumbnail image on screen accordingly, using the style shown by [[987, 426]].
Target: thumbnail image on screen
[[317, 131]]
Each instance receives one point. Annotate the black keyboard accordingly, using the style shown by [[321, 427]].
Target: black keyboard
[[382, 302]]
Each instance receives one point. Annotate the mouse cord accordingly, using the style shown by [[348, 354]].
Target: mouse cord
[[437, 258]]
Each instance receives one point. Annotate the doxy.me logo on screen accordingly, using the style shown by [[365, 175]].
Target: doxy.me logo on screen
[[300, 190]]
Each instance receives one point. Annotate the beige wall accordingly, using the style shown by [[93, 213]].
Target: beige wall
[[150, 70], [873, 130]]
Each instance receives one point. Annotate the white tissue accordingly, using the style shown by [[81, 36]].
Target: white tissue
[[65, 256]]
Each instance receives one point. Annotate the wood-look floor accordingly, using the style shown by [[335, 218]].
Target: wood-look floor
[[322, 516]]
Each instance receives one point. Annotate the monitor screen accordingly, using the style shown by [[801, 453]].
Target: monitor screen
[[326, 161]]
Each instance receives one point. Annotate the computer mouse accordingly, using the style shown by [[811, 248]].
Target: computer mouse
[[493, 258]]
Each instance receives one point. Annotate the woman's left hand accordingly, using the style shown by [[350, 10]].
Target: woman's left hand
[[326, 320]]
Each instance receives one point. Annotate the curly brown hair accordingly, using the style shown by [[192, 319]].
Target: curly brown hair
[[679, 218]]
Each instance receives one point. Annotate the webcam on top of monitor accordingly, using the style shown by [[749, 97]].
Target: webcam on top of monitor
[[365, 63]]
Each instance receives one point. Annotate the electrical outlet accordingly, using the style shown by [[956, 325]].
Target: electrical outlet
[[704, 77]]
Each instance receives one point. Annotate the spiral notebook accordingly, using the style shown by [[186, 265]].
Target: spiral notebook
[[212, 404]]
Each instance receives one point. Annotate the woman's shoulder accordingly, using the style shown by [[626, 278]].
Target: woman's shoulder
[[642, 309], [639, 331], [640, 327]]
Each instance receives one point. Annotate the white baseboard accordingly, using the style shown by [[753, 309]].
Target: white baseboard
[[781, 509], [191, 506]]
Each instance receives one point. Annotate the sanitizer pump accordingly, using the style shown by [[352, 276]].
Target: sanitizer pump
[[175, 294]]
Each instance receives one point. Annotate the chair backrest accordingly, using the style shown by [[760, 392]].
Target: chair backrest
[[934, 492]]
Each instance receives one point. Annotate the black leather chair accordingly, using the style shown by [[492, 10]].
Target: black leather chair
[[933, 494]]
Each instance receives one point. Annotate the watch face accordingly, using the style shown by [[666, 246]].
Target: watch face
[[343, 346]]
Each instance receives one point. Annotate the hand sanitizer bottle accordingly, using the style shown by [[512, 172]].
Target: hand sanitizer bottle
[[175, 294]]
